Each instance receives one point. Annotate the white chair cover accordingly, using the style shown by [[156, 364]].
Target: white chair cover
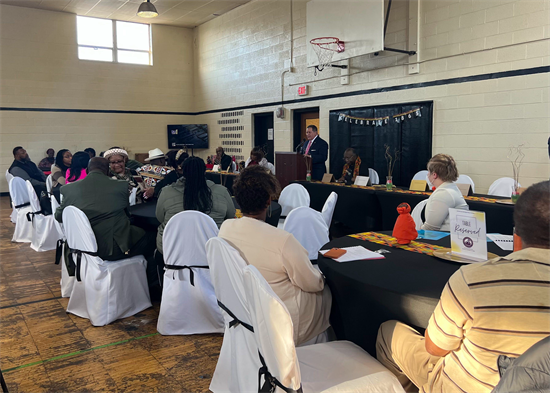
[[49, 184], [108, 290], [133, 196], [465, 179], [293, 196], [187, 308], [13, 215], [238, 363], [271, 168], [328, 208], [45, 234], [373, 176], [67, 282], [233, 166], [421, 175], [309, 228], [502, 187], [338, 366], [20, 196], [417, 213]]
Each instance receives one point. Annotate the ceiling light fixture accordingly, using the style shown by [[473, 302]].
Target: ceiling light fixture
[[147, 10]]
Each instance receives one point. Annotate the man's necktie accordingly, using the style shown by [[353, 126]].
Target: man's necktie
[[308, 146]]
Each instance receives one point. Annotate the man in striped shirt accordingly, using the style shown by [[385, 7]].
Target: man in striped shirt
[[500, 307]]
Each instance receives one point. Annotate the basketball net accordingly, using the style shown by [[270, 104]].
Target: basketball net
[[325, 48]]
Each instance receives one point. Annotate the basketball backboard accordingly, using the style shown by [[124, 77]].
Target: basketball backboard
[[359, 23]]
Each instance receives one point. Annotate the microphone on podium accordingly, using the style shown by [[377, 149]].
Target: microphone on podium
[[299, 147]]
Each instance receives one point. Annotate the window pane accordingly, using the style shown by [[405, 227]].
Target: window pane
[[133, 57], [93, 31], [132, 36], [98, 54]]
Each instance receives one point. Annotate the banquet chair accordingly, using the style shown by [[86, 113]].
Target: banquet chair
[[103, 291], [133, 196], [49, 184], [271, 168], [238, 363], [13, 215], [421, 175], [67, 282], [373, 176], [293, 196], [44, 234], [233, 166], [417, 214], [328, 208], [502, 187], [189, 304], [337, 366], [465, 179], [22, 205], [308, 227]]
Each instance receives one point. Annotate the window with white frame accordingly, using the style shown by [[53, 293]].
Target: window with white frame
[[114, 41]]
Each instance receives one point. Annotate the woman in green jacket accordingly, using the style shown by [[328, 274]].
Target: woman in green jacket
[[193, 192]]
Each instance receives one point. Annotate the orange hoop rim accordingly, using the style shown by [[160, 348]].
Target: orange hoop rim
[[324, 42]]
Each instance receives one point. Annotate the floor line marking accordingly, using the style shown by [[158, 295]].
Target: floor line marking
[[31, 302], [78, 352]]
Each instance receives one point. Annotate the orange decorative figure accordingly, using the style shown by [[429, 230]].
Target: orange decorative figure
[[404, 230]]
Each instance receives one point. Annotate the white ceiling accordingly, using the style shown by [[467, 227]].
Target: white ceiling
[[183, 13]]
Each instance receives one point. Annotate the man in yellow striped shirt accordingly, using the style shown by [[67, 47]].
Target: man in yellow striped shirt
[[500, 307]]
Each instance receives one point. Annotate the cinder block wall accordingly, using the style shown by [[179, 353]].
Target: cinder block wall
[[239, 58]]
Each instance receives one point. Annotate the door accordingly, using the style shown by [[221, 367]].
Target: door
[[303, 118], [264, 135]]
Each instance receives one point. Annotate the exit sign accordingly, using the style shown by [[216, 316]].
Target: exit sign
[[302, 90]]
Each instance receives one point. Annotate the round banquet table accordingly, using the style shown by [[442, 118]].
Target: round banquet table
[[405, 286], [143, 215]]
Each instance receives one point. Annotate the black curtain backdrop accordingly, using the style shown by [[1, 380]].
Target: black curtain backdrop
[[413, 137]]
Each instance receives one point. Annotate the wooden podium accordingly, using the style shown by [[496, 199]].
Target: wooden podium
[[289, 166]]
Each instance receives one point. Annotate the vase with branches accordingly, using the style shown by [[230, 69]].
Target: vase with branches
[[391, 160], [516, 156]]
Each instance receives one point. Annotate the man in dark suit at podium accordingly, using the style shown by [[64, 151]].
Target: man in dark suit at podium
[[317, 149]]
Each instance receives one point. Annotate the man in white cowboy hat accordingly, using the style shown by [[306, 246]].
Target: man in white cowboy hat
[[153, 172]]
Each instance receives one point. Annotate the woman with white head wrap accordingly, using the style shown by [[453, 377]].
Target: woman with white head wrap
[[117, 158]]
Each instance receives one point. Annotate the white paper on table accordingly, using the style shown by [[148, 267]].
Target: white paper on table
[[356, 253], [505, 242]]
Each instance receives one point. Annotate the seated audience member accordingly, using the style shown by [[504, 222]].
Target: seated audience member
[[222, 159], [178, 158], [193, 192], [283, 262], [133, 164], [352, 166], [79, 164], [209, 163], [23, 167], [63, 161], [105, 203], [46, 163], [257, 158], [442, 173], [499, 307], [153, 172], [117, 162], [90, 151]]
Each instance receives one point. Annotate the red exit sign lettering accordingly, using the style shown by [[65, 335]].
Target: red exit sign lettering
[[302, 90]]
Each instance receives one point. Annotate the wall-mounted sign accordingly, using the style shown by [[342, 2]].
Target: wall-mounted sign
[[302, 90]]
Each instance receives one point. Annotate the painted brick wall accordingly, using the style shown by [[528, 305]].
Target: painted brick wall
[[39, 68], [239, 58]]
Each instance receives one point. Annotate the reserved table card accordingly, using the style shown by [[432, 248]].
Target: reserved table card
[[468, 234], [327, 178], [418, 185], [362, 181], [464, 188]]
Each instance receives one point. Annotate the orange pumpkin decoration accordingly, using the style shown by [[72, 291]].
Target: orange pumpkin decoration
[[405, 229]]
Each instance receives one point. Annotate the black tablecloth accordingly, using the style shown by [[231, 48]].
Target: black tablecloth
[[225, 179], [405, 286], [143, 215], [373, 210]]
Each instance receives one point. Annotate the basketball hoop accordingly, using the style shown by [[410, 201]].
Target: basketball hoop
[[325, 48]]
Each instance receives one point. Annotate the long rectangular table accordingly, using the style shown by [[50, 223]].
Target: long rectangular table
[[365, 209]]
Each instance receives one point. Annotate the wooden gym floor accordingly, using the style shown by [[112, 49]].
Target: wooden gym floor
[[44, 349]]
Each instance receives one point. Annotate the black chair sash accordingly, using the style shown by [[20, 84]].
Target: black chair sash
[[79, 259], [270, 382], [191, 273], [30, 215], [22, 205], [59, 250]]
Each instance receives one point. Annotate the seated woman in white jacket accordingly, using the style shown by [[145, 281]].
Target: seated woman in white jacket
[[442, 173]]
